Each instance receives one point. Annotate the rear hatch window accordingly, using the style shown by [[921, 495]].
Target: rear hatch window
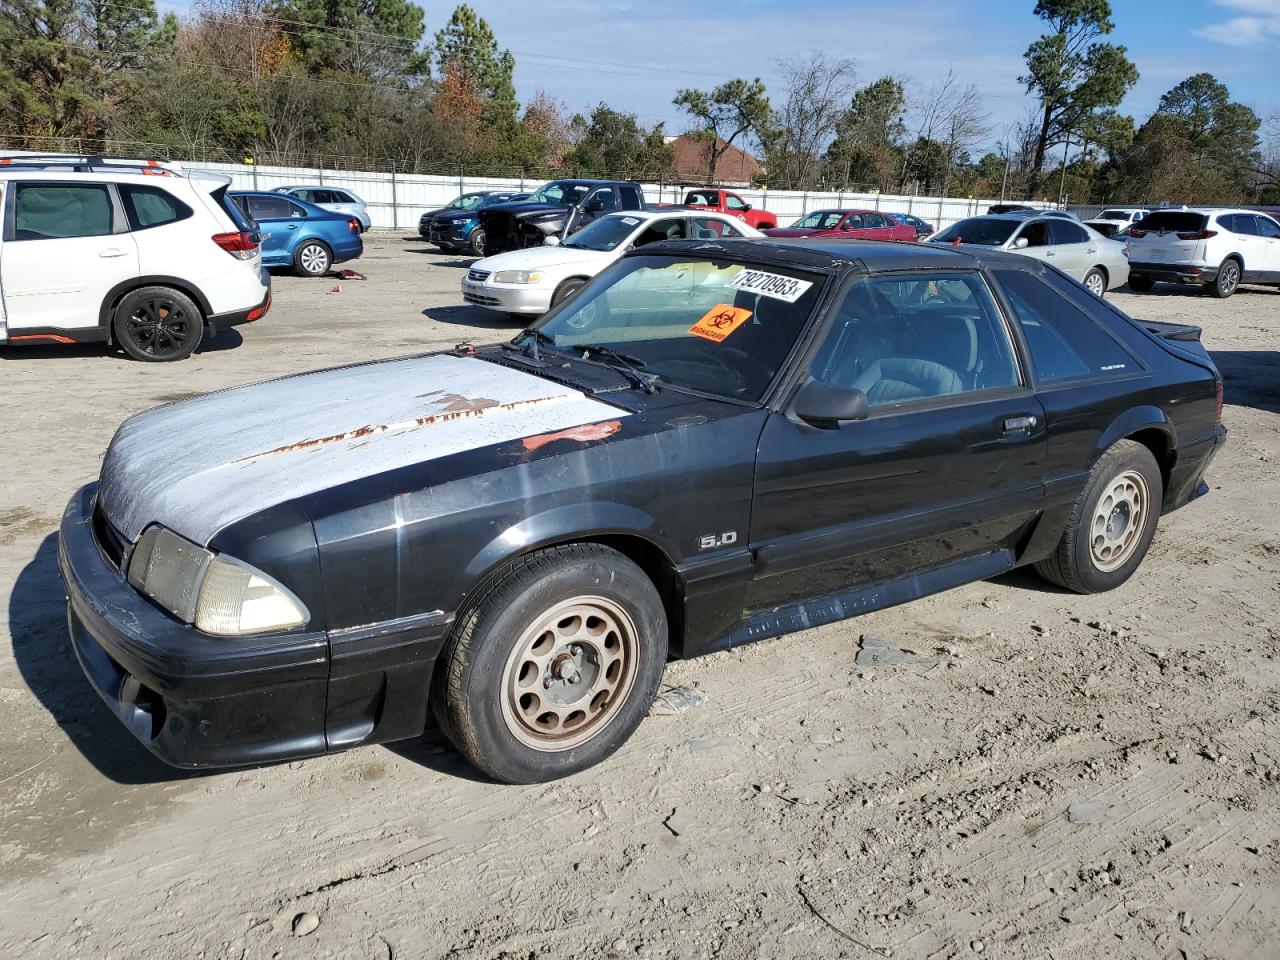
[[1175, 221], [239, 215]]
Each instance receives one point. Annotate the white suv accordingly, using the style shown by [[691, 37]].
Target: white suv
[[131, 252], [1220, 249], [1115, 221]]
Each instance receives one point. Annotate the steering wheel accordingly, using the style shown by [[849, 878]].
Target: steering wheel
[[764, 372]]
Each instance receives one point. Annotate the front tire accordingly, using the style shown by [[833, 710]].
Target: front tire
[[554, 665], [158, 324], [312, 259], [476, 242], [1227, 281], [1095, 281], [1141, 284], [1111, 525], [566, 290]]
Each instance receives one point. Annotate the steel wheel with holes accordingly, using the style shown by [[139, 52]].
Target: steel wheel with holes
[[1095, 281], [312, 259], [553, 664], [1228, 279], [157, 324], [1112, 524]]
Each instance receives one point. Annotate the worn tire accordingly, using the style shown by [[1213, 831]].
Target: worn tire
[[1141, 284], [1095, 281], [313, 258], [1073, 564], [1227, 281], [169, 313], [566, 290], [471, 680]]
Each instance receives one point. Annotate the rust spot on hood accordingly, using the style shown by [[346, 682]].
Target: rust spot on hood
[[454, 405], [583, 434]]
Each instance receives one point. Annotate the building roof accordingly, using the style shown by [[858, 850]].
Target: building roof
[[735, 166]]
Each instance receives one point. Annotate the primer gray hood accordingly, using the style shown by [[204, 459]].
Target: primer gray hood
[[200, 464]]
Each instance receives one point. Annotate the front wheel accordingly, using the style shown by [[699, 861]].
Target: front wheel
[[1228, 279], [566, 290], [158, 324], [1095, 281], [1112, 524], [554, 665], [476, 242], [312, 259]]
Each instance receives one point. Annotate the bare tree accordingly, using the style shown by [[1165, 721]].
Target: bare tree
[[950, 120], [816, 90]]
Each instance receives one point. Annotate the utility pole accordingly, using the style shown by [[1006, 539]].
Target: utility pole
[[1062, 182]]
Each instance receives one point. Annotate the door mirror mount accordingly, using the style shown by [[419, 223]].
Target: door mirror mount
[[822, 405]]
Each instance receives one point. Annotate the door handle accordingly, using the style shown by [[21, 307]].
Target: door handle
[[1048, 253], [1092, 250], [1014, 424], [113, 252], [293, 226]]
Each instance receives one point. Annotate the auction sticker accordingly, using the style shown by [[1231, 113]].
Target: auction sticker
[[770, 285], [720, 321]]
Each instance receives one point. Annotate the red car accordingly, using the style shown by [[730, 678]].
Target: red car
[[846, 225], [722, 201]]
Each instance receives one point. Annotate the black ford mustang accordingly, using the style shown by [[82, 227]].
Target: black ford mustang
[[712, 443]]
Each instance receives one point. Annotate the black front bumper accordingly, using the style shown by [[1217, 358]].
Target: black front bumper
[[192, 699]]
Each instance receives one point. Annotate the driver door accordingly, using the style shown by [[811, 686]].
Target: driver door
[[947, 467]]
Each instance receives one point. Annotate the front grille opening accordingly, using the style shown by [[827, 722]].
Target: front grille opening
[[145, 709], [110, 541]]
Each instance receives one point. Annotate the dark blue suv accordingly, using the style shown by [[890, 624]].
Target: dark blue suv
[[300, 235], [456, 228]]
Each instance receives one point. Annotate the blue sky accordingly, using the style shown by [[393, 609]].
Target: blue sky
[[667, 44]]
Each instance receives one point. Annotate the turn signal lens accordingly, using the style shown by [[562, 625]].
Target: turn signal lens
[[235, 599]]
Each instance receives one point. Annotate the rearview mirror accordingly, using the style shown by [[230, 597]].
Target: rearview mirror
[[551, 241], [1020, 243], [826, 406]]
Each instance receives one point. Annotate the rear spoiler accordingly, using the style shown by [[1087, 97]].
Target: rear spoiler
[[1184, 332]]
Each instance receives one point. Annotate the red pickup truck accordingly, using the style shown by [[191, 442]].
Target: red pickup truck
[[722, 201]]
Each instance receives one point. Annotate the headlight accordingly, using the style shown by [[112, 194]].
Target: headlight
[[517, 276], [217, 593]]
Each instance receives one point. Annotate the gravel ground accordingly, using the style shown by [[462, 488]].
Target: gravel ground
[[1043, 775]]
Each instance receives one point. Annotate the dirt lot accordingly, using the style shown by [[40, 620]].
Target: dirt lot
[[1050, 775]]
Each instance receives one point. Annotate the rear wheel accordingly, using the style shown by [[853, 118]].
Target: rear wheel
[[1112, 524], [1228, 279], [158, 324], [313, 259], [1095, 281], [554, 666], [1141, 284], [476, 242]]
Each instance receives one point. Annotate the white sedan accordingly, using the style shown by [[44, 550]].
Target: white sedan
[[533, 280]]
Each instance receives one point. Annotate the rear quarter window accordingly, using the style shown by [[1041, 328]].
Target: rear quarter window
[[149, 207], [1064, 340]]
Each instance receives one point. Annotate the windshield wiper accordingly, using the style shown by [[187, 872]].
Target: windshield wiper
[[628, 365], [530, 337]]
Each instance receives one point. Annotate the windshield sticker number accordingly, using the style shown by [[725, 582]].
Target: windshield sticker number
[[720, 321], [630, 221], [770, 285]]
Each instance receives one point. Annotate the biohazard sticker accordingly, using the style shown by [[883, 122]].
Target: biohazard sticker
[[770, 285], [720, 321]]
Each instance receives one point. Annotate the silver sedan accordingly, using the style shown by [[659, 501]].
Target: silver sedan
[[1077, 250]]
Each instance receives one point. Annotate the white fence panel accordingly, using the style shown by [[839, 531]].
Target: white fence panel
[[397, 200]]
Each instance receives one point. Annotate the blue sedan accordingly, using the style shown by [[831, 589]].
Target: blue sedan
[[300, 235]]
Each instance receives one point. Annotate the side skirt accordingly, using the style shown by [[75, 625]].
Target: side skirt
[[851, 603]]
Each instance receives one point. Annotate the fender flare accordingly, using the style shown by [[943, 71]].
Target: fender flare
[[106, 312], [561, 525], [1134, 420]]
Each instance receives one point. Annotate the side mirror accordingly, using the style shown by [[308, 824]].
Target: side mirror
[[746, 206], [823, 405], [551, 241], [1020, 243], [595, 206]]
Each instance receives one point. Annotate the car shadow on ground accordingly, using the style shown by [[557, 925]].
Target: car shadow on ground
[[1250, 378], [1195, 290], [1025, 578], [476, 317], [434, 751], [42, 651], [211, 343]]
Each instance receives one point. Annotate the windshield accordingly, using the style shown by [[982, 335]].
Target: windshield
[[714, 326], [559, 191], [493, 198], [820, 220], [988, 232], [605, 234], [1113, 215], [467, 201]]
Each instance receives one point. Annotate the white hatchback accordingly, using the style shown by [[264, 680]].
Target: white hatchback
[[1219, 249], [533, 280], [137, 253]]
